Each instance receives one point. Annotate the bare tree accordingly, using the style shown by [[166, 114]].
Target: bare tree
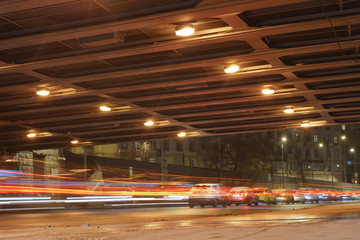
[[145, 151]]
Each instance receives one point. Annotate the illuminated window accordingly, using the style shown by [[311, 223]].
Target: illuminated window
[[316, 139]]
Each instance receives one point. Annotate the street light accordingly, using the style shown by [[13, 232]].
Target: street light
[[283, 140]]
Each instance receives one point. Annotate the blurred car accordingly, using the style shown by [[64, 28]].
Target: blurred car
[[346, 196], [207, 194], [298, 196], [242, 195], [265, 195], [328, 195], [310, 195], [283, 195]]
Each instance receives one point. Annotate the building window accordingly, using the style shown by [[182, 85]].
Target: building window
[[191, 146], [327, 139], [298, 152], [123, 145], [328, 153], [192, 163], [343, 127], [137, 145], [298, 137], [307, 153], [336, 140], [179, 146], [293, 166], [166, 145], [316, 153], [289, 149], [138, 159], [319, 166], [336, 153], [289, 136], [227, 148], [307, 138], [316, 139]]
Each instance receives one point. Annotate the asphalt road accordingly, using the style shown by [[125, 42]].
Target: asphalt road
[[156, 223]]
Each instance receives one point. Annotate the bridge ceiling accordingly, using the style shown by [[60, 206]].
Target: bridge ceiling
[[125, 55]]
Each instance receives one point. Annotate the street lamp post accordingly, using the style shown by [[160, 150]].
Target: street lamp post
[[283, 140], [332, 176], [344, 156]]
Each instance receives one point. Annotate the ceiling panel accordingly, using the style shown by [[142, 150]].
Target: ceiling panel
[[125, 55]]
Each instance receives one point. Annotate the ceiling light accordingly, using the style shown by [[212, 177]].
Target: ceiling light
[[184, 30], [149, 123], [289, 110], [181, 134], [105, 108], [31, 135], [43, 91], [305, 124], [75, 141], [231, 68], [268, 90]]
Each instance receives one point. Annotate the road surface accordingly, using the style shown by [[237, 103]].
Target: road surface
[[299, 221]]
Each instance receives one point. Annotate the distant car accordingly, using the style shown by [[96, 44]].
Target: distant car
[[283, 195], [298, 196], [346, 196], [265, 195], [242, 195], [207, 194], [310, 195]]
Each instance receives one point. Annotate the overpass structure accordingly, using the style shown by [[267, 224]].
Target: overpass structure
[[125, 55]]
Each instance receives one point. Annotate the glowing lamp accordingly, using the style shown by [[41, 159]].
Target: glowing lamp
[[268, 91], [184, 30], [149, 123], [181, 134], [42, 91], [105, 108], [231, 68]]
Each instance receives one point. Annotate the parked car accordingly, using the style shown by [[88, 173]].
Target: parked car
[[283, 195], [207, 194], [265, 195], [310, 195], [242, 195]]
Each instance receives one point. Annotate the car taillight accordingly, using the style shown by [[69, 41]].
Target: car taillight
[[228, 194]]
